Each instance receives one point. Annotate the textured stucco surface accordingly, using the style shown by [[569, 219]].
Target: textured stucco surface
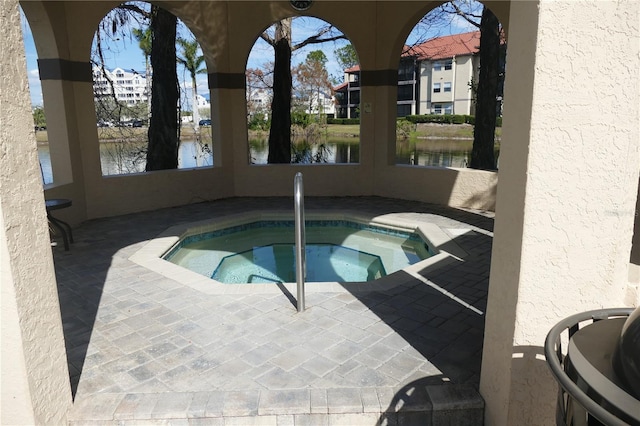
[[35, 383], [563, 221]]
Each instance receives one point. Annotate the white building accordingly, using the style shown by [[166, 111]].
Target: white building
[[129, 87], [320, 103], [202, 102], [258, 101]]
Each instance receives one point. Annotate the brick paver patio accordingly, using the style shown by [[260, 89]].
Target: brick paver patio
[[146, 349]]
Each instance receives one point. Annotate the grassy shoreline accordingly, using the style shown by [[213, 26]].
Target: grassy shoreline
[[339, 131]]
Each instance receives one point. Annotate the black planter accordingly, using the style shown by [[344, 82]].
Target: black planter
[[598, 370]]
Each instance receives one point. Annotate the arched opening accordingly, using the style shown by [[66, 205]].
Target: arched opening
[[37, 102], [451, 72], [313, 127], [122, 52]]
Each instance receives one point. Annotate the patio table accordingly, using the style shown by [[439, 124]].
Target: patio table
[[63, 228]]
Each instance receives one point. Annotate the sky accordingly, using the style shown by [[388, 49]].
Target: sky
[[126, 54]]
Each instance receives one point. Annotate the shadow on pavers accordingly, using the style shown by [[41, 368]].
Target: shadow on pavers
[[427, 401]]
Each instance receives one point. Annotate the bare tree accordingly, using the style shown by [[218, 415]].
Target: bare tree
[[163, 134], [491, 71], [313, 82], [259, 84], [281, 40]]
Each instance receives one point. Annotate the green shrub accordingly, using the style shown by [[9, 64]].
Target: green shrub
[[300, 118], [258, 122], [458, 119], [404, 128], [343, 121], [445, 119], [424, 118]]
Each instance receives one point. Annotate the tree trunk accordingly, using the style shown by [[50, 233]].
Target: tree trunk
[[194, 107], [147, 76], [162, 151], [280, 133], [482, 154]]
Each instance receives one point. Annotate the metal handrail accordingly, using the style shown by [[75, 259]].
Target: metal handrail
[[301, 263], [555, 357]]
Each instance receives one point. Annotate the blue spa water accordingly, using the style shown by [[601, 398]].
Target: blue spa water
[[263, 252]]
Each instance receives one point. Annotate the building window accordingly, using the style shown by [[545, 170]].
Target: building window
[[448, 64], [405, 92], [354, 97], [436, 87], [403, 110], [405, 70], [437, 66], [437, 109], [448, 109], [447, 86]]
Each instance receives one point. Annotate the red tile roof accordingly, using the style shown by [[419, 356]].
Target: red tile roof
[[437, 48], [446, 47], [340, 87]]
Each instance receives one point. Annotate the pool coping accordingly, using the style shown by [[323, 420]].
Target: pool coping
[[445, 252]]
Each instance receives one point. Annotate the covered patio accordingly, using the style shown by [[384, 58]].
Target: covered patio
[[564, 200], [144, 347]]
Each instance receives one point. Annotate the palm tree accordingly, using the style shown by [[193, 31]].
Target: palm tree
[[144, 43], [189, 58]]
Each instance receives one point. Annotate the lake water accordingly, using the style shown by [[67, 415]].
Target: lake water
[[122, 158]]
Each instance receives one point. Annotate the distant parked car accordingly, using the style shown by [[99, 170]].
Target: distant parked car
[[131, 123], [205, 122]]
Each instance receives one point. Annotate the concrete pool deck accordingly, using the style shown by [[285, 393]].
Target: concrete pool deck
[[144, 348]]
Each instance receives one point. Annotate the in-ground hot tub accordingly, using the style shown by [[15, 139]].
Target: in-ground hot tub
[[264, 252], [255, 248]]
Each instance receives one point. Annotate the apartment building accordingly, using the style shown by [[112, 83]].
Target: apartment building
[[434, 77], [129, 87]]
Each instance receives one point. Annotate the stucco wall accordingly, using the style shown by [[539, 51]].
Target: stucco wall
[[35, 379], [566, 199]]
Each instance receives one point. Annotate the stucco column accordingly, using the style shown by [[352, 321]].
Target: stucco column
[[568, 177], [35, 379]]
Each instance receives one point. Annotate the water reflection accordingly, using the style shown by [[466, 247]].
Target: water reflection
[[119, 158], [434, 152], [129, 157], [331, 152], [431, 152], [45, 164]]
